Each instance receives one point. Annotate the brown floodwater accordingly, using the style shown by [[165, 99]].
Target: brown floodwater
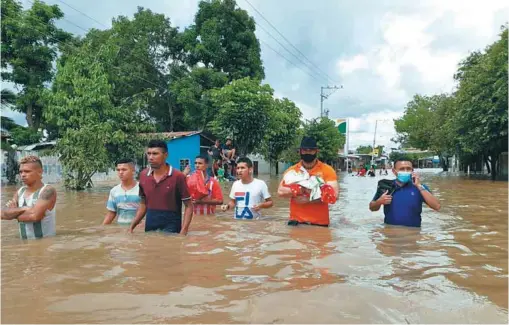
[[452, 270]]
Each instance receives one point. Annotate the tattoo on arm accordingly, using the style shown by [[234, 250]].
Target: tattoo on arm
[[48, 194]]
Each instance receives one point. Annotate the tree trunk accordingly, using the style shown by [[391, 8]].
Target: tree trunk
[[486, 161], [12, 167], [170, 111], [29, 116], [444, 162], [277, 168], [494, 166]]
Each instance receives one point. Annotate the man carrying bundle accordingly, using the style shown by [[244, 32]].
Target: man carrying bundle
[[302, 209]]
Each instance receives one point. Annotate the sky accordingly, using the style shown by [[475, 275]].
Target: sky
[[381, 52]]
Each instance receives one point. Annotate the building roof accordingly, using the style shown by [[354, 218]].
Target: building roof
[[37, 146], [175, 135]]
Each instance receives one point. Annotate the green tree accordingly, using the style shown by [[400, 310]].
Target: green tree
[[282, 131], [329, 140], [96, 132], [30, 41], [364, 150], [426, 125], [190, 91], [481, 116], [223, 38], [244, 109]]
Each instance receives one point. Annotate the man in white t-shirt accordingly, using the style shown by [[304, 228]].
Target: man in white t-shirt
[[124, 198], [248, 194]]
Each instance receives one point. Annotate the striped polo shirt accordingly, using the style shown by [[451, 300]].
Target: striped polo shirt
[[124, 203]]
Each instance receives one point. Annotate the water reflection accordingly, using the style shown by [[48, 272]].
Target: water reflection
[[453, 269]]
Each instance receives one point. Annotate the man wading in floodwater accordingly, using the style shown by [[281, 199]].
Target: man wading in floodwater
[[403, 200], [302, 210], [33, 205], [163, 189], [124, 198], [248, 194]]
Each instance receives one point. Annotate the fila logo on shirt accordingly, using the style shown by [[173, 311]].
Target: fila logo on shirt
[[245, 213]]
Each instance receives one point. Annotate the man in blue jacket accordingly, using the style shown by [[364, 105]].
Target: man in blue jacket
[[403, 199]]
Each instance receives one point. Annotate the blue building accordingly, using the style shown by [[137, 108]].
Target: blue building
[[184, 146]]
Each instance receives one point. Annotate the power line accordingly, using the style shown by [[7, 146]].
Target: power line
[[81, 12], [289, 61], [304, 56], [284, 47]]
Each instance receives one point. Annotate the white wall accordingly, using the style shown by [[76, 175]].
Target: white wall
[[264, 166], [53, 169]]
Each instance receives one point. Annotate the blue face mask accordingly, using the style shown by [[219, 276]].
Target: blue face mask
[[404, 177]]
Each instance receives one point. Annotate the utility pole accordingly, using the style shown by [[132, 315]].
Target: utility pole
[[324, 96], [373, 149]]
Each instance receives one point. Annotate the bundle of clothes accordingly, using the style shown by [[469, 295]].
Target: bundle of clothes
[[316, 187]]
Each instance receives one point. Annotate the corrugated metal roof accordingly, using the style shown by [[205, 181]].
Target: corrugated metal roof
[[170, 135]]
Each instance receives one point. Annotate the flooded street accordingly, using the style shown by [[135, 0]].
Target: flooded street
[[452, 270]]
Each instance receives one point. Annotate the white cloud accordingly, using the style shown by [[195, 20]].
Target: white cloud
[[357, 62]]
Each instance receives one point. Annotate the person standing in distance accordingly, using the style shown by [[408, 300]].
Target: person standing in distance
[[404, 206], [33, 205], [248, 194], [302, 210], [124, 198], [163, 189]]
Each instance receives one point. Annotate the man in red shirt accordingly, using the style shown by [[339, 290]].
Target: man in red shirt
[[163, 189], [206, 205]]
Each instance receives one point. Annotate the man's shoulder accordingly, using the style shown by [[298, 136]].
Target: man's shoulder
[[115, 189], [143, 172], [259, 182], [177, 173], [326, 167]]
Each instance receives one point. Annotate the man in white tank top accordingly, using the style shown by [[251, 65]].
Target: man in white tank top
[[33, 205]]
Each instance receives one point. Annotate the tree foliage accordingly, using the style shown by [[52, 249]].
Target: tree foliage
[[30, 42], [244, 109], [282, 131], [328, 139], [470, 122], [223, 38], [96, 131]]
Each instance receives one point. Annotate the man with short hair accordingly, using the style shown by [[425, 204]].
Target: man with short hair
[[248, 194], [163, 189], [302, 210], [33, 205], [403, 200], [124, 198], [207, 205]]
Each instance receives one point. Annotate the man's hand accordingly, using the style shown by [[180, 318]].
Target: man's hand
[[385, 199], [183, 232], [187, 170], [416, 179], [11, 204]]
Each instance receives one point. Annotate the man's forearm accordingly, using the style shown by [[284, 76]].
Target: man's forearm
[[188, 216], [374, 205], [266, 204], [430, 200], [285, 192], [12, 213], [209, 201], [140, 214]]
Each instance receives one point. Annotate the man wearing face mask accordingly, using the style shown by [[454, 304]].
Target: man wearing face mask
[[403, 202], [302, 210]]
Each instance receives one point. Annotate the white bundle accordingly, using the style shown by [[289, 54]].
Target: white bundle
[[302, 178]]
